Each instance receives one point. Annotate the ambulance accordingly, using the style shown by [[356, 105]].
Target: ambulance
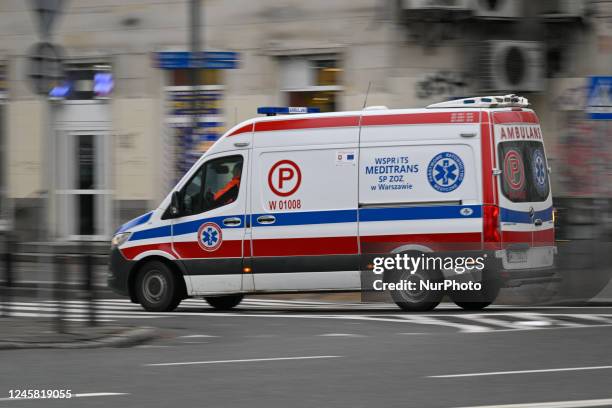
[[305, 202]]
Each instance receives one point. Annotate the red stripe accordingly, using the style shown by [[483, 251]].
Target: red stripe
[[191, 249], [544, 237], [132, 252], [514, 237], [381, 244], [243, 129], [487, 155], [459, 237], [348, 121], [515, 117], [313, 123], [305, 246], [418, 118], [246, 248]]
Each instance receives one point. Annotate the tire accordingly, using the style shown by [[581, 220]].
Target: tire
[[468, 300], [417, 300], [157, 287], [226, 302]]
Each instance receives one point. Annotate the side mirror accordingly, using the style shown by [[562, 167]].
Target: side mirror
[[175, 204]]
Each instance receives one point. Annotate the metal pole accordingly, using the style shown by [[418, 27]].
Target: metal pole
[[197, 59], [60, 268], [89, 285], [9, 248]]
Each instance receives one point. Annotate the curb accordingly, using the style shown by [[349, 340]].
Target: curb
[[127, 338]]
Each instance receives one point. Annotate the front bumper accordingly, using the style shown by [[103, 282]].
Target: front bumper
[[119, 273]]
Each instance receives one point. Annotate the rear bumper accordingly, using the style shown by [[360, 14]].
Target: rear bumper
[[119, 272], [538, 268], [513, 279]]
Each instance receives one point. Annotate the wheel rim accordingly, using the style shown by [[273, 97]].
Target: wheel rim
[[414, 296], [154, 286]]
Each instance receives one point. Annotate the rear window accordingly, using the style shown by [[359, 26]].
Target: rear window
[[524, 171]]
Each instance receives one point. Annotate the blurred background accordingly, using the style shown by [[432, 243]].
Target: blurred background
[[96, 128]]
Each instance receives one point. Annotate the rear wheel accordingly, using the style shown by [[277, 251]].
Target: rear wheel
[[226, 302], [477, 300], [419, 299], [157, 288]]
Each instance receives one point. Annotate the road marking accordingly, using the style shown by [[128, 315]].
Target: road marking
[[195, 336], [546, 370], [340, 335], [83, 395], [248, 360], [152, 346], [100, 394], [493, 321], [556, 404], [480, 318], [466, 328]]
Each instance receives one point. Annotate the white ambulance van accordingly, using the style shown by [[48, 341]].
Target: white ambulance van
[[303, 203]]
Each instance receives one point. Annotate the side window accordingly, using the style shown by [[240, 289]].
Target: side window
[[215, 184]]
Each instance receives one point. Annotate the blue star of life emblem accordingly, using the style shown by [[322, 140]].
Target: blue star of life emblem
[[539, 171], [445, 172], [209, 236]]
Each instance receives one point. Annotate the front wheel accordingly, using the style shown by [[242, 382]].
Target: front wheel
[[226, 302], [157, 288]]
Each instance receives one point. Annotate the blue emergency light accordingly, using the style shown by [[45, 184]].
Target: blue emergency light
[[285, 110]]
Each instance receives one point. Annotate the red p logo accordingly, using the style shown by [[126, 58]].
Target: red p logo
[[284, 178], [514, 170]]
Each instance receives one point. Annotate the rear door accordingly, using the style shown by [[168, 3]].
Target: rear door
[[524, 192]]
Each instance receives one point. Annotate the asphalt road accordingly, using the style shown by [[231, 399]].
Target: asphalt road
[[278, 353]]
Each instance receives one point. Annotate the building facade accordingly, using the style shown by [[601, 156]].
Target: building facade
[[111, 140]]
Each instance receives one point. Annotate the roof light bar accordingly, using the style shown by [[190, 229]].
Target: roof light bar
[[285, 110], [500, 101]]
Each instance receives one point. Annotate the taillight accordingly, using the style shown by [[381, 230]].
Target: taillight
[[490, 221]]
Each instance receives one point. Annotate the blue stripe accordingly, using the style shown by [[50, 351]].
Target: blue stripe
[[309, 218], [192, 226], [523, 217], [135, 222], [183, 228], [158, 232], [419, 213], [324, 217]]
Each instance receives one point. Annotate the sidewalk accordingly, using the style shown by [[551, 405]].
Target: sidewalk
[[18, 333]]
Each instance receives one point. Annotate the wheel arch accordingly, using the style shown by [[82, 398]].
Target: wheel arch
[[174, 266]]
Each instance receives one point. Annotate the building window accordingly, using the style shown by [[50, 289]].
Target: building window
[[85, 81], [312, 81]]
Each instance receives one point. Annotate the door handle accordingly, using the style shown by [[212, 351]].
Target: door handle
[[538, 222], [266, 219], [232, 221]]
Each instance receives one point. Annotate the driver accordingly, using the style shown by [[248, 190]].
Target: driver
[[229, 192]]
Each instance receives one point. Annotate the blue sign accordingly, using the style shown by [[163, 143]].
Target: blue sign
[[445, 172], [286, 110], [186, 59], [599, 97]]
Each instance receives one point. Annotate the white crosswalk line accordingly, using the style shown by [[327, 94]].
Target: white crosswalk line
[[451, 317], [435, 321], [482, 318]]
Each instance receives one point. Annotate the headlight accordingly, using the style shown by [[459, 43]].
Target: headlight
[[119, 239]]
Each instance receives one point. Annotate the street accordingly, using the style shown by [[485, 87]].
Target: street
[[304, 353]]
